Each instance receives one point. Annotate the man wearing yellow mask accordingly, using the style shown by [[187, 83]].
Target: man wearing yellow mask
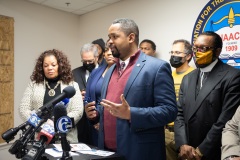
[[208, 98]]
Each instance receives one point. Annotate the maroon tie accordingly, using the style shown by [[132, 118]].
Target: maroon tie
[[122, 65]]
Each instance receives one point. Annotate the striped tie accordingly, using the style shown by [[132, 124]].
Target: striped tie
[[121, 68]]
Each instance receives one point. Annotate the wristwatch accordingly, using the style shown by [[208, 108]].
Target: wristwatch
[[229, 158]]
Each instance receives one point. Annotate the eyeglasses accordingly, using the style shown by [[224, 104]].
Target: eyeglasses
[[175, 52], [88, 61], [201, 49]]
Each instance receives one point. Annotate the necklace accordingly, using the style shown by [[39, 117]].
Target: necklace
[[51, 91]]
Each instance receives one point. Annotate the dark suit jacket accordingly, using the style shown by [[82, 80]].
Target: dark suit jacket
[[79, 77], [93, 80], [83, 126], [201, 118], [150, 93]]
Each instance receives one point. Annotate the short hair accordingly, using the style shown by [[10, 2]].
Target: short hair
[[64, 67], [89, 47], [217, 39], [151, 42], [187, 47], [128, 26]]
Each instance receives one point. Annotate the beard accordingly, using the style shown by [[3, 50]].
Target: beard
[[115, 52]]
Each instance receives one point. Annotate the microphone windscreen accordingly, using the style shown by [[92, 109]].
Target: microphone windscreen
[[59, 111], [69, 91]]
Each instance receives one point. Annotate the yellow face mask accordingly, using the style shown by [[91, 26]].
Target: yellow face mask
[[204, 58]]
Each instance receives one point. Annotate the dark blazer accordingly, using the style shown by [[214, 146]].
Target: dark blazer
[[83, 126], [90, 95], [150, 93], [96, 74], [201, 118], [79, 77]]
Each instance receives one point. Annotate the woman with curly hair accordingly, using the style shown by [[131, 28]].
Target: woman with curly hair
[[52, 73]]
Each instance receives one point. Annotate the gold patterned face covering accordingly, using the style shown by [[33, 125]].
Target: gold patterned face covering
[[204, 58]]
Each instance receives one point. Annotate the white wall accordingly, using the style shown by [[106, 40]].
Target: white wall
[[38, 28], [162, 21]]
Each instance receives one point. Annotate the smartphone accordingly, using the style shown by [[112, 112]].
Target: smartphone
[[88, 100]]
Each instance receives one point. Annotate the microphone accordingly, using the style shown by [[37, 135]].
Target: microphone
[[11, 133], [44, 113], [62, 124], [19, 146], [47, 131], [33, 120], [44, 136], [68, 92]]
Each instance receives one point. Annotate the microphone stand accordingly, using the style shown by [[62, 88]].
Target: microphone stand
[[37, 150], [65, 147], [19, 146]]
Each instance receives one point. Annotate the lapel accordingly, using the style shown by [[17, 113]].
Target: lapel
[[215, 76], [190, 87], [106, 80], [82, 74], [136, 69]]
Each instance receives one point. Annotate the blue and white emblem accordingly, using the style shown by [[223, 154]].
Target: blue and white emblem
[[34, 120], [64, 124], [48, 128]]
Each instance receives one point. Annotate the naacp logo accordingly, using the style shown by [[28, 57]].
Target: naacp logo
[[222, 17], [64, 124]]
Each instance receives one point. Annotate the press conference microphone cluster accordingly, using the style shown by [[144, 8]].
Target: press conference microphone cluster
[[62, 125], [44, 112], [44, 137]]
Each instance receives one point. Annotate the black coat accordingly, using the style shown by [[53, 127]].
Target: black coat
[[201, 118], [83, 126], [79, 77]]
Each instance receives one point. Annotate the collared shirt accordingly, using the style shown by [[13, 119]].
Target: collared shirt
[[126, 63], [209, 67]]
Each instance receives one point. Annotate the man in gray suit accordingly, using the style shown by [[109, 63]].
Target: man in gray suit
[[231, 138], [208, 98]]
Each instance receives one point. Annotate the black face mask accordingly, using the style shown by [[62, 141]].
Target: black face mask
[[89, 66], [176, 61]]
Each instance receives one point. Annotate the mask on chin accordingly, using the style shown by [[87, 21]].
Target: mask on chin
[[89, 67], [176, 61], [203, 59]]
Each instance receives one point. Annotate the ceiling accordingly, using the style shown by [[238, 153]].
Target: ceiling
[[78, 7]]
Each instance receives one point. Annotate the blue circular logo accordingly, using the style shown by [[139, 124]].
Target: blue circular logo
[[34, 120], [64, 124], [222, 17]]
